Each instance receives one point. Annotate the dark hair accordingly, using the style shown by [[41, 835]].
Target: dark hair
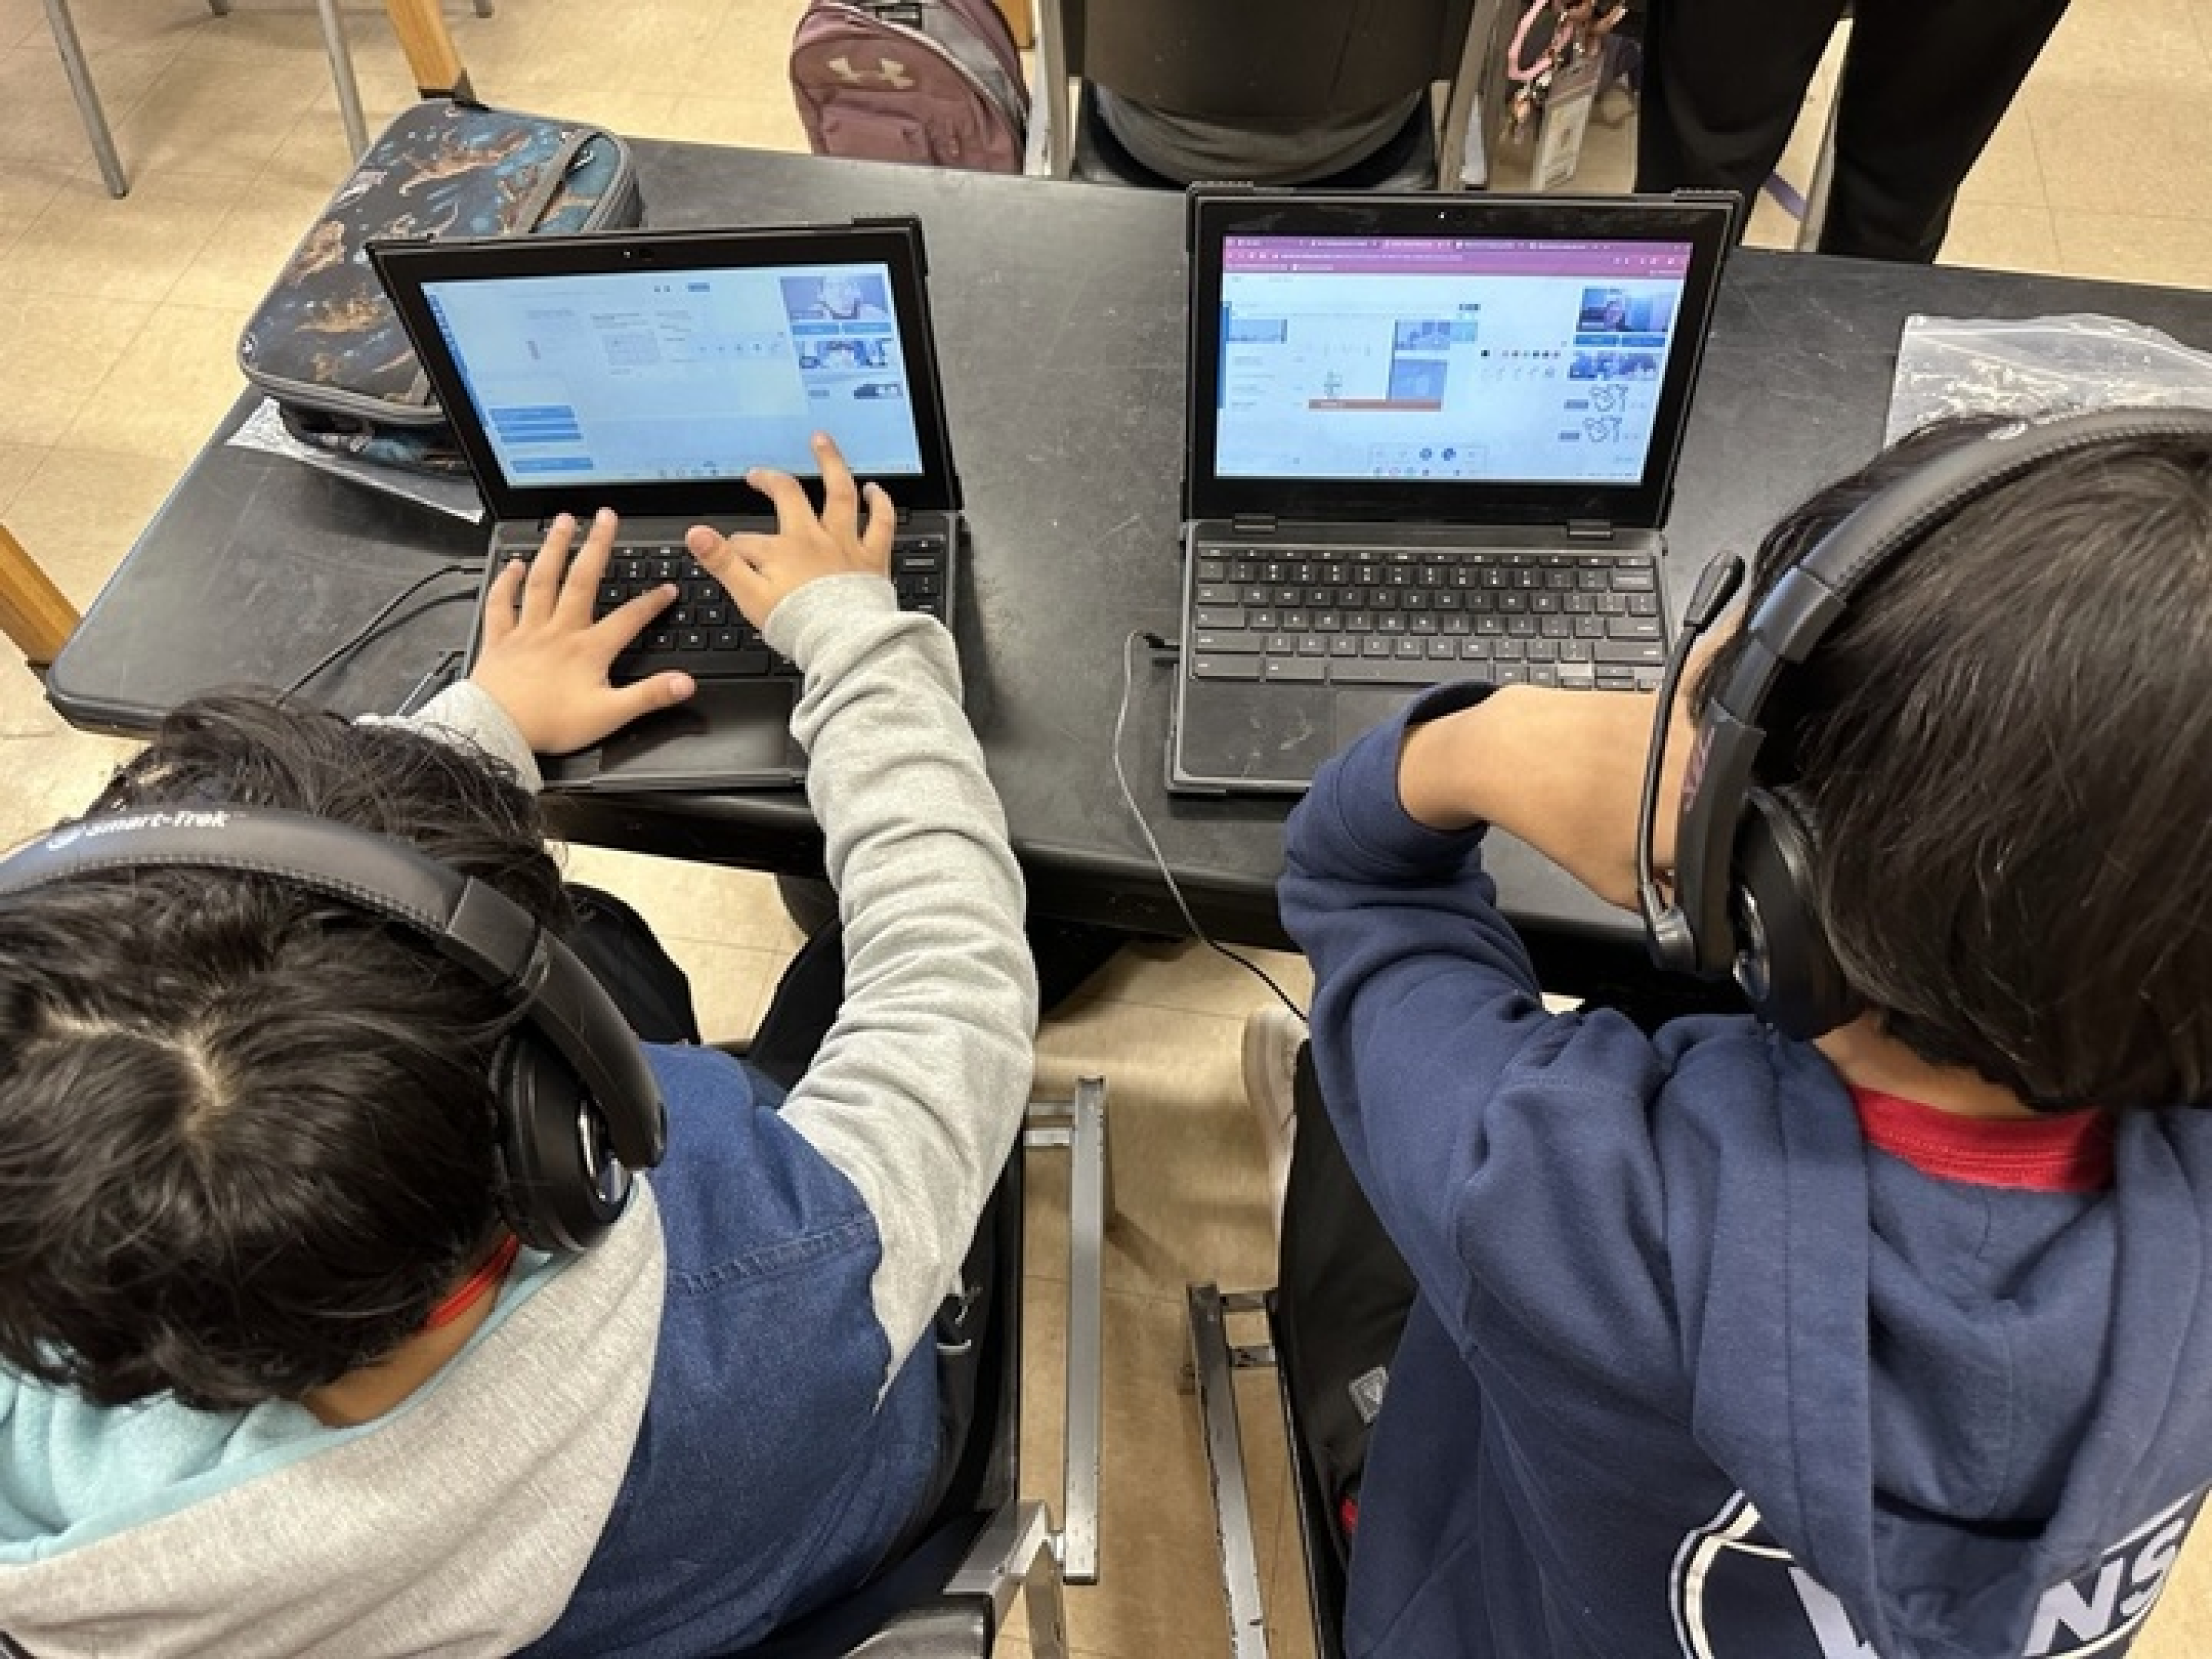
[[245, 1131], [2004, 753]]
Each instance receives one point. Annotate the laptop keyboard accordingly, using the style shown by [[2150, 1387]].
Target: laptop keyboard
[[1355, 617], [704, 633]]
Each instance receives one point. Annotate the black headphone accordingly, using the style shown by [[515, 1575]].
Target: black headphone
[[1743, 887], [578, 1108]]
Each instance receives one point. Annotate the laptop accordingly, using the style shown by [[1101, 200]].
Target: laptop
[[1430, 438], [647, 372]]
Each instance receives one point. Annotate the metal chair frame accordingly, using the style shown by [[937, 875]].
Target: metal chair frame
[[1215, 1359], [64, 27]]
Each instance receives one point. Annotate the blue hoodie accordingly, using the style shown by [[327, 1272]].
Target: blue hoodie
[[1695, 1371]]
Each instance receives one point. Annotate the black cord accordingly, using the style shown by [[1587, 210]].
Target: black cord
[[367, 631], [1129, 798]]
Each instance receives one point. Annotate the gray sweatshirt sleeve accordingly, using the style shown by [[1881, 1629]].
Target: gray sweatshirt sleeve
[[466, 715], [921, 1086]]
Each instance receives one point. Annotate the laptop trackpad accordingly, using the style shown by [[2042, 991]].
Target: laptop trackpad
[[1356, 712], [730, 734]]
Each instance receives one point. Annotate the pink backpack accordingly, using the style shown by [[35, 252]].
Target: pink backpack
[[932, 81]]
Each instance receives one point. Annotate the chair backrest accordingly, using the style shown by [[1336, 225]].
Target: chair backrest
[[35, 614], [1276, 58]]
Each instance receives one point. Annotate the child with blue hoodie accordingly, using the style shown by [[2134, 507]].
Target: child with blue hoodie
[[1884, 1338]]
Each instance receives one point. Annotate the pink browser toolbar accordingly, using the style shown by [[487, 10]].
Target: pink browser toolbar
[[1447, 256]]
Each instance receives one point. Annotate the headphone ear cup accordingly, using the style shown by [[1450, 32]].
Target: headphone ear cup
[[560, 1185], [1782, 960]]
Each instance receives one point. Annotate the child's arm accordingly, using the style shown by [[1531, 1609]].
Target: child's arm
[[1502, 1145], [540, 685], [920, 1085], [1562, 770]]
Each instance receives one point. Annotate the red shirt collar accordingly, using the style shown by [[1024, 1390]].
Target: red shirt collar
[[2065, 1152], [489, 1275]]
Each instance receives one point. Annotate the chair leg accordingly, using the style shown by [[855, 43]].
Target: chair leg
[[1461, 161], [220, 8], [432, 58], [1051, 149], [1014, 1552], [483, 8], [1214, 1360], [1045, 1606], [1080, 1126], [342, 77], [87, 96], [35, 614]]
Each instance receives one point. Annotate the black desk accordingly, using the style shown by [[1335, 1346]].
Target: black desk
[[1059, 314]]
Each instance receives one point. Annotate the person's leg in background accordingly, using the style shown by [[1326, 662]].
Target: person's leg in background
[[1724, 81], [1924, 84], [619, 946], [621, 949]]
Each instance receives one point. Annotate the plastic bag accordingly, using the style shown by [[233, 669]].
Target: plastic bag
[[2038, 366]]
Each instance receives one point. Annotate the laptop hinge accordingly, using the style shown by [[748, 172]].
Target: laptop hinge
[[1254, 524], [1588, 530]]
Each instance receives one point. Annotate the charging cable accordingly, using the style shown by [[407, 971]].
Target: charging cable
[[1136, 637]]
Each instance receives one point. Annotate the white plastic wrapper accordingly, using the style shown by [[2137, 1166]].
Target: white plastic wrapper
[[2039, 366]]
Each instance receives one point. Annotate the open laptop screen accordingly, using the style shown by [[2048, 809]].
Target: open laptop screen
[[1444, 358], [1509, 360], [648, 371], [623, 377]]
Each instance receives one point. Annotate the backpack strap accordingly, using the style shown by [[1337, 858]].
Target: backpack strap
[[532, 207]]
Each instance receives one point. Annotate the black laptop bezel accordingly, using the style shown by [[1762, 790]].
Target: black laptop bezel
[[1705, 221], [407, 267]]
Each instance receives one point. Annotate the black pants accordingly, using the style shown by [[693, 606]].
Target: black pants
[[1342, 1292], [1925, 85]]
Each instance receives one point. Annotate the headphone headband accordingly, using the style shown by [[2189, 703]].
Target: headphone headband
[[1703, 930], [613, 1095]]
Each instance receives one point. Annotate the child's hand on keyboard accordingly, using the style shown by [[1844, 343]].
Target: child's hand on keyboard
[[761, 570], [545, 660]]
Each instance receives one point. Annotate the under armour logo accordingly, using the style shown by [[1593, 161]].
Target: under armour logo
[[888, 70]]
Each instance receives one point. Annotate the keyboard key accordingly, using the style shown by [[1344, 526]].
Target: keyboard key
[[1204, 666], [1370, 671], [1293, 668], [1218, 642]]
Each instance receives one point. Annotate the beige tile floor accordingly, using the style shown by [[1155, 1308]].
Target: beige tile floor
[[117, 320]]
